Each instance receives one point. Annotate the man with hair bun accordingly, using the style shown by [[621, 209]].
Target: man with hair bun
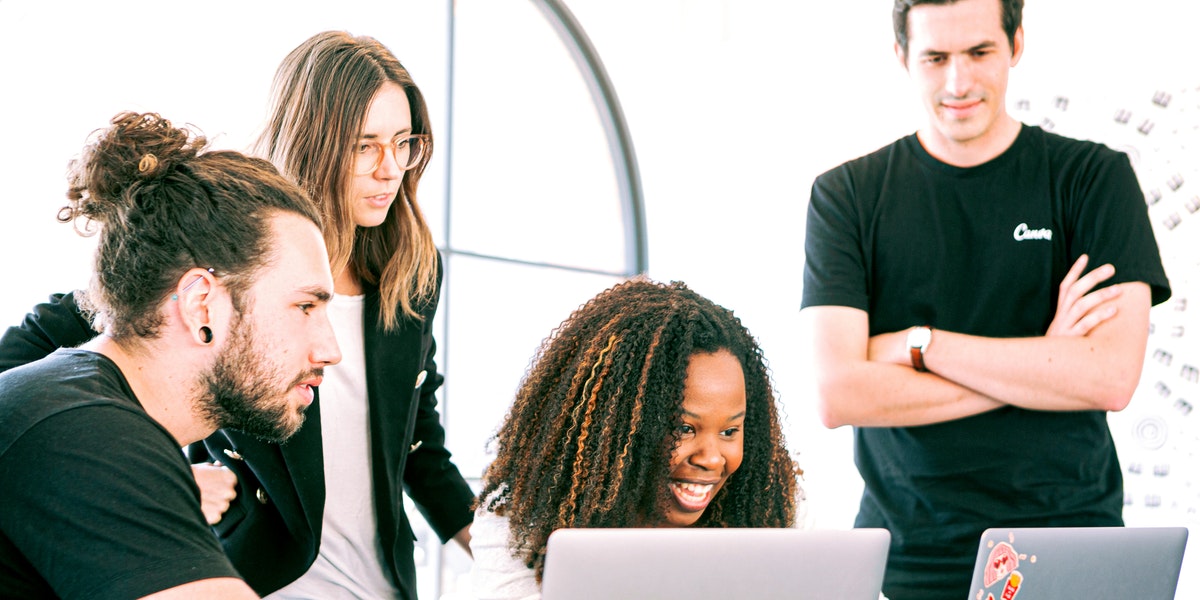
[[327, 514], [210, 288]]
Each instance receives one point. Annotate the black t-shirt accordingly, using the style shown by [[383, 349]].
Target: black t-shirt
[[99, 500], [979, 250]]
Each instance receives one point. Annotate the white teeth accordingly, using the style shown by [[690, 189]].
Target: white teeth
[[696, 491]]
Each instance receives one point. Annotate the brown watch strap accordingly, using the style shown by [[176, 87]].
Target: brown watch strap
[[918, 359], [918, 341]]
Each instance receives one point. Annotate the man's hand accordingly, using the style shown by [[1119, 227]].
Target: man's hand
[[1078, 313], [217, 489], [463, 537], [1078, 310]]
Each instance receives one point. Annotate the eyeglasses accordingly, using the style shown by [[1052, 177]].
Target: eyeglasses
[[407, 150]]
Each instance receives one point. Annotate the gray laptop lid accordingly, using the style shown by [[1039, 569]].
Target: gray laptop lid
[[704, 564], [1063, 563]]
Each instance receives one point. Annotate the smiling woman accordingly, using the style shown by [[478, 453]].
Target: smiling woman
[[650, 406], [708, 443]]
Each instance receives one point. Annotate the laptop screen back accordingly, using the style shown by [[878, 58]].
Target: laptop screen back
[[703, 564], [1061, 563]]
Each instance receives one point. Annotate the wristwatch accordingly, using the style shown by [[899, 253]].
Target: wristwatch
[[918, 342]]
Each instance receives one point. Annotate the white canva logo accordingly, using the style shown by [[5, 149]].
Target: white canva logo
[[1023, 232]]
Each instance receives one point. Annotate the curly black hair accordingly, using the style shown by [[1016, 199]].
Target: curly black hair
[[589, 437]]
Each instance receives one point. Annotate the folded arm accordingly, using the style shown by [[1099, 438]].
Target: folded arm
[[1097, 371], [852, 389], [1090, 359]]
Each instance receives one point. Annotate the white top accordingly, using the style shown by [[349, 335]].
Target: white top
[[495, 573], [349, 563]]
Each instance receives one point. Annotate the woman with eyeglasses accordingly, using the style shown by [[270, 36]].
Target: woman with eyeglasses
[[323, 515]]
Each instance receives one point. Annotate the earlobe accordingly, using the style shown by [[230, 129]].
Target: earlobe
[[900, 55], [1018, 45]]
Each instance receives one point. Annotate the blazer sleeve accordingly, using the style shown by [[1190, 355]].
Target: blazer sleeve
[[58, 323], [430, 477]]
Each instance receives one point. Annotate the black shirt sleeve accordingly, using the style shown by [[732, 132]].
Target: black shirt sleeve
[[835, 271], [58, 323], [1110, 221], [102, 505]]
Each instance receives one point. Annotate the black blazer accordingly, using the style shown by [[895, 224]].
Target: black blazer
[[272, 531]]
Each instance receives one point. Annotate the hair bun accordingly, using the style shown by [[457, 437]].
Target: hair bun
[[138, 148], [148, 164]]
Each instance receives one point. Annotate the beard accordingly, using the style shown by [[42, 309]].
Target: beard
[[243, 390]]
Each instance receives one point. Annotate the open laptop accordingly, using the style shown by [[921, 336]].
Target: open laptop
[[1062, 563], [711, 564]]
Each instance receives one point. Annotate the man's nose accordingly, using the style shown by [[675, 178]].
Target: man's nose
[[959, 77], [325, 350]]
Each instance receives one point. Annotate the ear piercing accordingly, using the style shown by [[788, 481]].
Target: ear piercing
[[194, 282]]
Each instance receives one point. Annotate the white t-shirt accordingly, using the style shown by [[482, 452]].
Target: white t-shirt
[[495, 573], [350, 561]]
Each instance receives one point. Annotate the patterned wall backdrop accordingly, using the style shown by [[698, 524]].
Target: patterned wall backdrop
[[1158, 436]]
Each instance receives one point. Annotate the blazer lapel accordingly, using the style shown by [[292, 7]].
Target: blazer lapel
[[304, 459]]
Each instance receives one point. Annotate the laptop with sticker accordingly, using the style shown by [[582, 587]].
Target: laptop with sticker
[[710, 564], [1061, 563]]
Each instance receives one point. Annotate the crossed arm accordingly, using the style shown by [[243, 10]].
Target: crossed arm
[[1089, 359]]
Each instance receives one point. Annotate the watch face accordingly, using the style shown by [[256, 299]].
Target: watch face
[[919, 337]]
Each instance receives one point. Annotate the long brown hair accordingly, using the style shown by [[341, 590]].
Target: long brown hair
[[589, 437], [320, 98]]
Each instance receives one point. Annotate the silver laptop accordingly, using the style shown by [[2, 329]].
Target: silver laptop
[[711, 564], [1063, 563]]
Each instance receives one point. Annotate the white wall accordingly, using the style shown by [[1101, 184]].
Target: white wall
[[734, 105]]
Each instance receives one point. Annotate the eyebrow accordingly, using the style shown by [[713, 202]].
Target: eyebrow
[[733, 418], [977, 47], [372, 136], [988, 45], [318, 292]]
